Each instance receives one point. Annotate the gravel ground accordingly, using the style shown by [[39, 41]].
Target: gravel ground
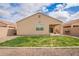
[[39, 51]]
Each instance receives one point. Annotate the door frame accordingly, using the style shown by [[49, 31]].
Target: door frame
[[51, 28]]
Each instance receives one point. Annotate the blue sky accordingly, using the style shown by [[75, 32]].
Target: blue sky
[[72, 9], [16, 11]]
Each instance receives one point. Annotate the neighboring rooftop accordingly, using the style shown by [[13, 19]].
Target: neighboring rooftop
[[39, 13], [71, 22], [7, 23]]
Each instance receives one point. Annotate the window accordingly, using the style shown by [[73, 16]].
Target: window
[[75, 25], [67, 31], [39, 27]]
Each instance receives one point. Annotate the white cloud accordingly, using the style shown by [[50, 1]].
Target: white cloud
[[30, 8], [4, 5], [74, 17], [24, 10], [64, 15], [44, 9], [61, 15], [4, 13]]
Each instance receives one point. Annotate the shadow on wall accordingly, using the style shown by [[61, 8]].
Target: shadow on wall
[[11, 32]]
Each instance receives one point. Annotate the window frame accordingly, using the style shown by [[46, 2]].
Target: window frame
[[39, 27]]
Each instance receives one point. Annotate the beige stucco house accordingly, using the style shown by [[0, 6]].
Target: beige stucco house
[[7, 28], [72, 27], [39, 24]]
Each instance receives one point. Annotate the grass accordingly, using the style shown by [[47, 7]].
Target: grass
[[41, 41]]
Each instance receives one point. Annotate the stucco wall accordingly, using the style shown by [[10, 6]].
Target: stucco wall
[[73, 30], [3, 31], [28, 25]]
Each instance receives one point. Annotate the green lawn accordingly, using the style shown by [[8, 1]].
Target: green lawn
[[41, 41]]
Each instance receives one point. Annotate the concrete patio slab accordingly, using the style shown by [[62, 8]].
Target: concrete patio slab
[[39, 51]]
